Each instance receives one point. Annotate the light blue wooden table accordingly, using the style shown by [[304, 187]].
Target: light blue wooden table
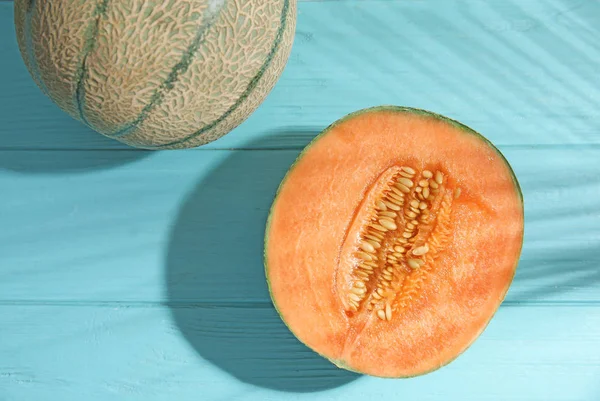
[[134, 275]]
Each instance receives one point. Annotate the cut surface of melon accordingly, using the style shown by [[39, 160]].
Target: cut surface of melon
[[392, 241]]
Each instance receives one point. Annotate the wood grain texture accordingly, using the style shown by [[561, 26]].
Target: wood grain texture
[[178, 227], [137, 275], [98, 353], [520, 72]]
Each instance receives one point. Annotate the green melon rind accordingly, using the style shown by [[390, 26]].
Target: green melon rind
[[400, 109]]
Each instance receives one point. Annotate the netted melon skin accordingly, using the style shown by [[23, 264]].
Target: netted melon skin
[[156, 75]]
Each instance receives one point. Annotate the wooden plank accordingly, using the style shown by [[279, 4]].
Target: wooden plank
[[520, 72], [225, 353], [188, 226]]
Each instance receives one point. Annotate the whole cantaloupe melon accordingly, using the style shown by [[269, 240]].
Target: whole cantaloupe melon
[[156, 74]]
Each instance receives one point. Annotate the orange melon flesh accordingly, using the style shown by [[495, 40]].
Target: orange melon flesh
[[321, 207]]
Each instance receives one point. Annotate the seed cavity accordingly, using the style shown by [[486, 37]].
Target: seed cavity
[[399, 238]]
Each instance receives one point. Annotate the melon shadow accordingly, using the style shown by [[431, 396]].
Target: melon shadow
[[215, 281]]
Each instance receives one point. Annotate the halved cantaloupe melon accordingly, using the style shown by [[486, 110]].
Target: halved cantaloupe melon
[[392, 241]]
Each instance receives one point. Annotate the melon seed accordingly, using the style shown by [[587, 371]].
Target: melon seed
[[405, 181], [388, 312], [367, 247], [388, 224], [374, 244], [358, 291], [376, 234], [378, 227], [391, 205], [427, 174], [395, 197], [402, 187], [366, 267], [397, 191], [422, 250], [354, 297], [381, 314], [439, 177], [362, 274], [381, 205], [413, 263], [408, 170]]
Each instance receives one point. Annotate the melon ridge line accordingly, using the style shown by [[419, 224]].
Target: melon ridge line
[[249, 88], [82, 71], [180, 68]]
